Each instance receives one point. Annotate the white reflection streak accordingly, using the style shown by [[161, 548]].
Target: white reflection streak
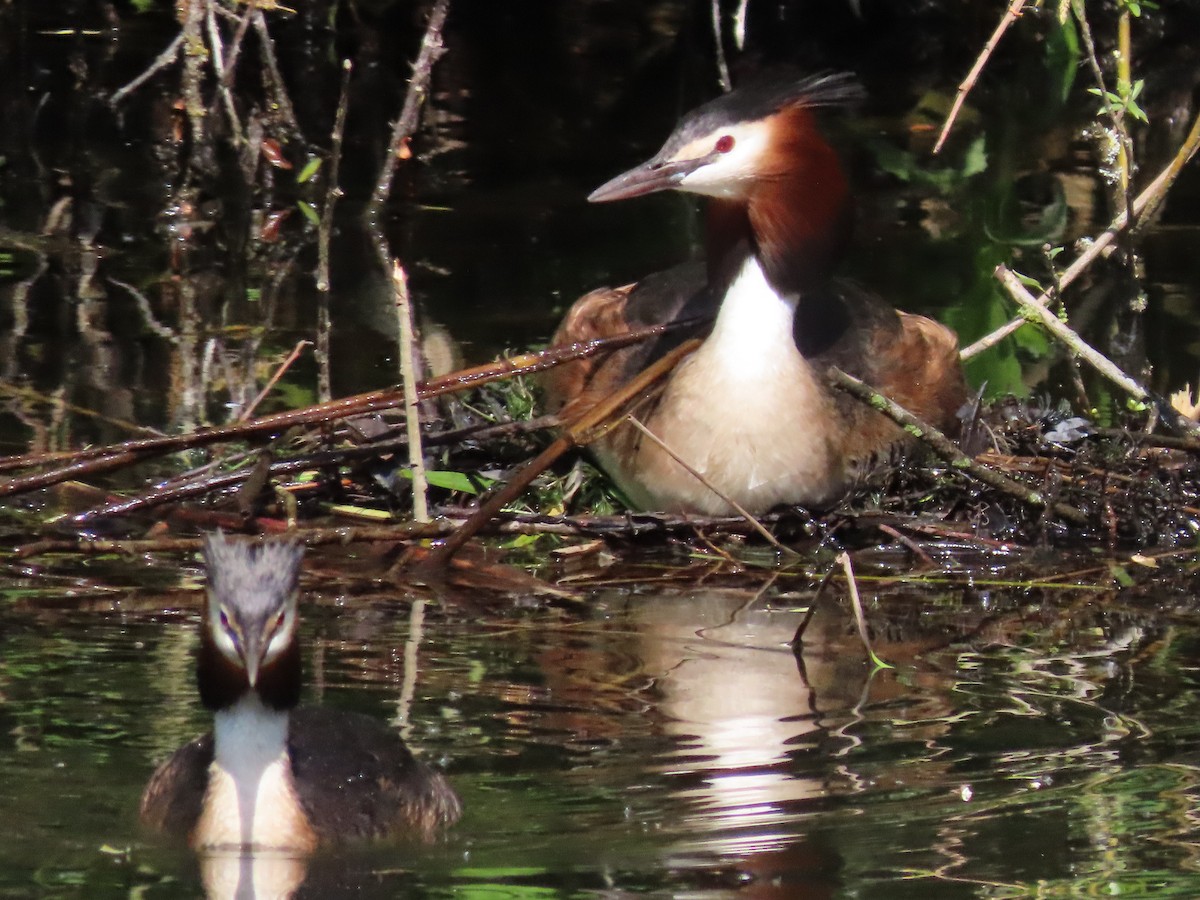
[[732, 694]]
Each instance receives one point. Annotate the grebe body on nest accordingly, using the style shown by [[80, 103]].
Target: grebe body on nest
[[750, 410]]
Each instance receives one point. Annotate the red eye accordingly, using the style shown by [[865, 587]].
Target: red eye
[[724, 143]]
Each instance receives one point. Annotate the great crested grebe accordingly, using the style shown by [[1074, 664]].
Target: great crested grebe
[[269, 776], [750, 410]]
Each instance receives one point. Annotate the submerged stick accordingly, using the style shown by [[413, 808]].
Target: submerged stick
[[860, 618], [947, 450]]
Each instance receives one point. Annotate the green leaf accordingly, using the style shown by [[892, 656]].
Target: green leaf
[[454, 481], [310, 212], [976, 158], [1120, 575], [310, 169]]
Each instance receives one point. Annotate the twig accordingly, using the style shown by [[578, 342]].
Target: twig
[[332, 191], [589, 526], [915, 548], [860, 618], [271, 66], [189, 485], [193, 62], [1115, 117], [946, 448], [583, 430], [96, 460], [214, 41], [1088, 353], [235, 47], [1146, 203], [408, 380], [719, 41], [163, 60], [1161, 441], [741, 510], [1066, 334], [1010, 15], [418, 89], [274, 380]]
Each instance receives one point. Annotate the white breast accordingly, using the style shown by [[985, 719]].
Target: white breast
[[745, 410], [251, 802]]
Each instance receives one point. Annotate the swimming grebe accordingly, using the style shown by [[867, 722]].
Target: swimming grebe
[[750, 409], [269, 776]]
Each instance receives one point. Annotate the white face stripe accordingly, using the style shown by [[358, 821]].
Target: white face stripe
[[226, 642], [230, 640], [728, 173], [282, 635]]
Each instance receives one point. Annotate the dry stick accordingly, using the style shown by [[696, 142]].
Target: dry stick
[[239, 38], [325, 237], [1010, 16], [163, 60], [1146, 204], [741, 510], [1151, 198], [103, 459], [193, 71], [584, 429], [947, 449], [191, 486], [1088, 353], [325, 232], [274, 380], [278, 88], [418, 89], [408, 380], [722, 65], [401, 532], [1052, 323], [218, 58]]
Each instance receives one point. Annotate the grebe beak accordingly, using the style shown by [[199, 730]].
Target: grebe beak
[[648, 178]]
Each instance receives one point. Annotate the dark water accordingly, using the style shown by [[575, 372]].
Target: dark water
[[659, 742]]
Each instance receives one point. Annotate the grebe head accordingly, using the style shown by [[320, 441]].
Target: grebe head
[[249, 640], [733, 143]]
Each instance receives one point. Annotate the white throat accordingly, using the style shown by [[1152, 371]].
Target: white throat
[[744, 411], [248, 737], [754, 326], [251, 801]]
